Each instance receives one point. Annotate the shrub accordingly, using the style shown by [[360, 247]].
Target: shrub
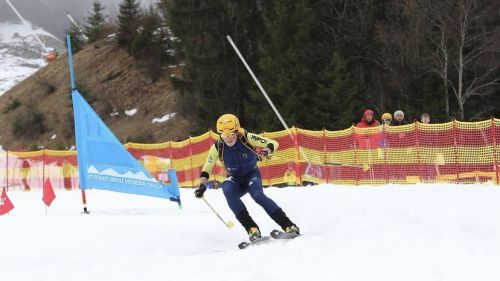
[[28, 123], [13, 104]]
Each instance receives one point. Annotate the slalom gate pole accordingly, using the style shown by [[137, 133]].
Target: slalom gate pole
[[265, 94], [70, 62], [229, 224], [73, 88], [84, 201]]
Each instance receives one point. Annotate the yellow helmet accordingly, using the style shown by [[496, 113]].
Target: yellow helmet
[[386, 116], [227, 124]]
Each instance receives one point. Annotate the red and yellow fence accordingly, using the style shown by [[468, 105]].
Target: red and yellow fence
[[459, 152]]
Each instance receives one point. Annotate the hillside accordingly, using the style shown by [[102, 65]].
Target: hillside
[[38, 112]]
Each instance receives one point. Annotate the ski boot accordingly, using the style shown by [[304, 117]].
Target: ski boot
[[292, 230], [286, 224], [254, 234]]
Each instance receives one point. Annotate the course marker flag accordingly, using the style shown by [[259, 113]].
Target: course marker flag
[[104, 163]]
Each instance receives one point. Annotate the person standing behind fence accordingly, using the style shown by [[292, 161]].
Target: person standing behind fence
[[425, 118], [399, 118], [368, 139], [67, 171], [25, 171], [368, 120], [386, 119]]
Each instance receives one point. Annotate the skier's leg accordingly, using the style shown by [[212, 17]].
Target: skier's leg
[[272, 209], [284, 222], [254, 182], [233, 193]]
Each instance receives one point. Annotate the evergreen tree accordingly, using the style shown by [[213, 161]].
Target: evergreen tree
[[95, 20], [289, 68], [211, 78], [338, 100], [148, 44], [128, 21], [247, 30], [77, 38]]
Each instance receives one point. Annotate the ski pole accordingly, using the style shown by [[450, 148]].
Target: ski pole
[[229, 224], [263, 91]]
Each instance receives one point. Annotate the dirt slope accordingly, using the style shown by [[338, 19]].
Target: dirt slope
[[108, 77]]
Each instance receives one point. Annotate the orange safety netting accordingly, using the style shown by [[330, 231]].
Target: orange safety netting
[[459, 152]]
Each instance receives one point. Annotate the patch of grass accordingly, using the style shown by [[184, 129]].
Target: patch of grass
[[86, 92], [143, 135], [29, 123], [13, 104]]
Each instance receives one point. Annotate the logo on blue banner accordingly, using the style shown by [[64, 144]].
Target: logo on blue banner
[[104, 163]]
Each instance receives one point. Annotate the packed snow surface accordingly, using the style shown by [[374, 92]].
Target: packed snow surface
[[393, 232]]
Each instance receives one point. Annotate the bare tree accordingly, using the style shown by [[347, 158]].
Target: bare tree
[[464, 49], [439, 60]]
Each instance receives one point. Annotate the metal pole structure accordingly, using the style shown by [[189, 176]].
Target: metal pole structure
[[72, 20], [265, 94], [26, 23]]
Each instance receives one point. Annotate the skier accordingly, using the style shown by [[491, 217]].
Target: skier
[[236, 150]]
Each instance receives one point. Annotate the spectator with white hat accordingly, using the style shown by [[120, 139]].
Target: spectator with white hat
[[398, 118]]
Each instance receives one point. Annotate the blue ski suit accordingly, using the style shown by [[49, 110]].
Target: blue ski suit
[[240, 163]]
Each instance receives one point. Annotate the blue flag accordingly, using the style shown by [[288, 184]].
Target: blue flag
[[104, 163]]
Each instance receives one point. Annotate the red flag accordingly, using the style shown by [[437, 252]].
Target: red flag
[[5, 204], [48, 193]]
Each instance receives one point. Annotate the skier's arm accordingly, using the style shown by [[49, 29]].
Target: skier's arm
[[268, 144], [213, 156]]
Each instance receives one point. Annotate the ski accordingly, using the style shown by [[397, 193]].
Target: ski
[[244, 244], [275, 234], [278, 234]]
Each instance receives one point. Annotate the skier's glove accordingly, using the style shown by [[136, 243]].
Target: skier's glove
[[200, 190], [266, 152]]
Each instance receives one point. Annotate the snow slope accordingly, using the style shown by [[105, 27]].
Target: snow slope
[[419, 232], [20, 54]]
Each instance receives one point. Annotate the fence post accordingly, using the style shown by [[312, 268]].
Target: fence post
[[7, 170], [169, 153], [454, 133], [356, 172], [265, 167], [43, 167], [384, 149], [191, 161], [494, 148], [298, 174], [325, 171], [417, 140]]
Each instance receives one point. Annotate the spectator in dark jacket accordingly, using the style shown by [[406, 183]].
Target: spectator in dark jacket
[[398, 118]]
